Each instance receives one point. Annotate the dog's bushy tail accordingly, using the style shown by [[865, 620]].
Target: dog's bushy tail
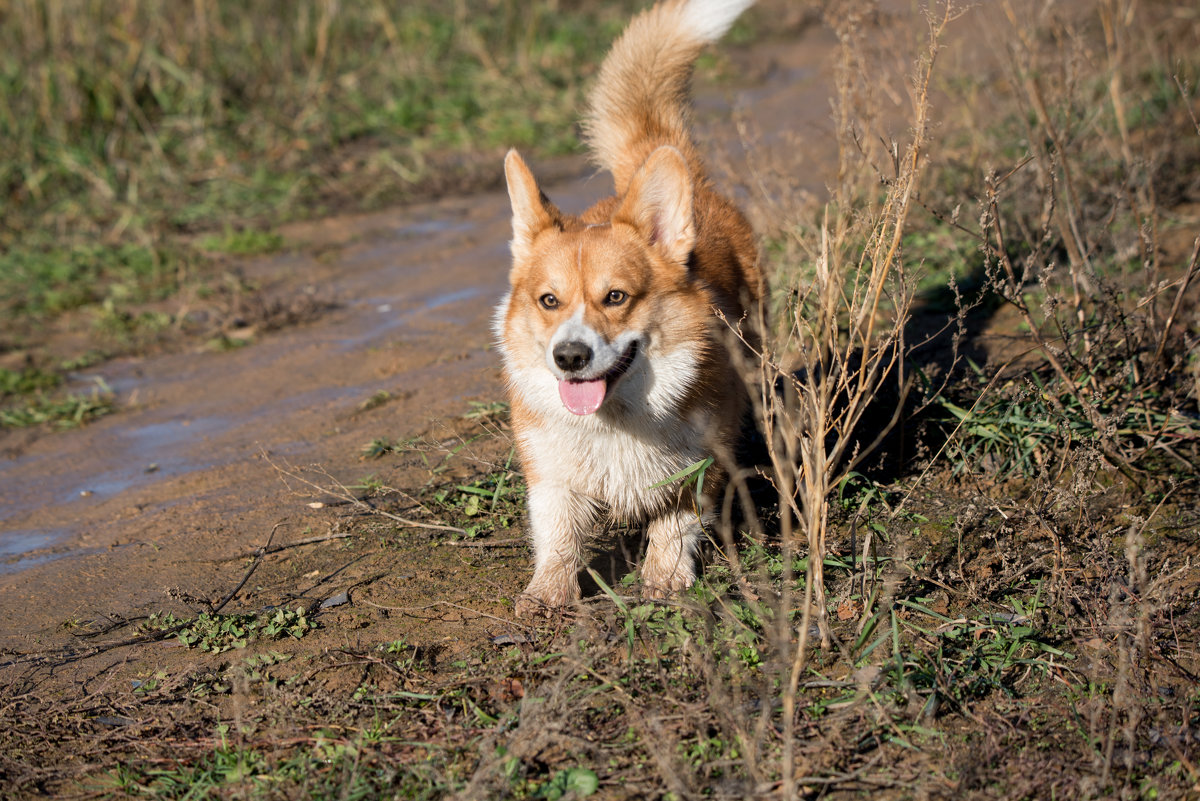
[[641, 100]]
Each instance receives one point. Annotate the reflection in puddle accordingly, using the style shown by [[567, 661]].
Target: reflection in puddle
[[13, 544], [422, 227], [387, 319], [153, 452]]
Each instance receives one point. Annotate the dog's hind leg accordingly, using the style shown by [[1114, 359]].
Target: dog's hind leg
[[559, 520], [670, 564]]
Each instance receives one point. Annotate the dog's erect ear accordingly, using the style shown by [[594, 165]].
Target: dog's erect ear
[[532, 211], [659, 204]]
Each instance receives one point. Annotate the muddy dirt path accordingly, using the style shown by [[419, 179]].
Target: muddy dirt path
[[106, 520], [126, 506]]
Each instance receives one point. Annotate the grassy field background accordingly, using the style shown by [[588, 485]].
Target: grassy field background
[[144, 142], [126, 120], [1004, 590]]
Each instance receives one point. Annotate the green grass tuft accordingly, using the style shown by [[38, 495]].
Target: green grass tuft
[[40, 282], [247, 242], [68, 411], [27, 381], [201, 115]]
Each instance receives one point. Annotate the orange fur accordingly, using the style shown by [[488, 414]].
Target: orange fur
[[614, 355]]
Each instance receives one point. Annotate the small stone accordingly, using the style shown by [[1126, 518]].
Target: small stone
[[335, 600]]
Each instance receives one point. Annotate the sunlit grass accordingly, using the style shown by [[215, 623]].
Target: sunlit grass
[[135, 116]]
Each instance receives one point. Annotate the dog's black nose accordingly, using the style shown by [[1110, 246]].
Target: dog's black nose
[[572, 356]]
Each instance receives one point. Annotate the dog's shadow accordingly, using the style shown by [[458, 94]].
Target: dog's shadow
[[616, 552]]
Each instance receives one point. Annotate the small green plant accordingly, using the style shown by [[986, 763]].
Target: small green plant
[[128, 328], [217, 633], [375, 401], [494, 501], [579, 781], [258, 668], [706, 750], [27, 381], [266, 659], [382, 446], [149, 685], [485, 410], [223, 343], [209, 683], [83, 360], [287, 623], [370, 484], [68, 411], [403, 654], [247, 242]]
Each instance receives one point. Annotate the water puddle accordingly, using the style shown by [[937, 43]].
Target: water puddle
[[388, 319], [434, 226], [151, 452], [388, 241], [133, 456], [18, 549]]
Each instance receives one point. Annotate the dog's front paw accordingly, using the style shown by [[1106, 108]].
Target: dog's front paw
[[662, 584], [542, 598], [529, 607]]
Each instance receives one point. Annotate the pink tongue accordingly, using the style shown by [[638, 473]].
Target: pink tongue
[[582, 397]]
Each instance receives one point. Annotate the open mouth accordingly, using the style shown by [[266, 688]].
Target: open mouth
[[585, 397]]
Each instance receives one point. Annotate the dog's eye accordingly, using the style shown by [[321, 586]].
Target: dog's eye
[[548, 301], [615, 298]]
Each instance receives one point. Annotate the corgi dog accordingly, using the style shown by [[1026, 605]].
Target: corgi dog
[[615, 331]]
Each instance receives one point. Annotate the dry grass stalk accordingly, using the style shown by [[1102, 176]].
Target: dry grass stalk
[[843, 334], [840, 342]]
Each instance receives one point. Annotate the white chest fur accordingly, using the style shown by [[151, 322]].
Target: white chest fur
[[615, 465]]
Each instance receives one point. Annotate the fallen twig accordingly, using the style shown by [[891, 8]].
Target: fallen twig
[[258, 557], [411, 609], [67, 655], [283, 546], [342, 493], [486, 543]]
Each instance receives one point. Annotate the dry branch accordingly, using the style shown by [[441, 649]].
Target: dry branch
[[342, 493]]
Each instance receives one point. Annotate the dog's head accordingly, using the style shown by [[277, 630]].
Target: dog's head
[[592, 302]]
